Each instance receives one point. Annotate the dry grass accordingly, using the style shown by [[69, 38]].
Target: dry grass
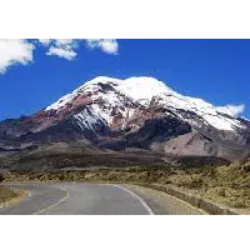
[[228, 185], [7, 194]]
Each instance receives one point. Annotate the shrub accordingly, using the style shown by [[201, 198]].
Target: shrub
[[1, 177]]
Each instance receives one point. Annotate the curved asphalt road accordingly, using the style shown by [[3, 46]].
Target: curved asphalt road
[[92, 199]]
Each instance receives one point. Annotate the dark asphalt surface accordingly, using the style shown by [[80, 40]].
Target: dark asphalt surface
[[94, 199]]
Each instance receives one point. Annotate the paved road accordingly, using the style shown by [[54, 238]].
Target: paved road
[[92, 199]]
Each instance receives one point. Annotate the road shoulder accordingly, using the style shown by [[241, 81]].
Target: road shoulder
[[20, 196], [162, 203]]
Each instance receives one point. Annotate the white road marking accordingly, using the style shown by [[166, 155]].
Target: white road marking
[[144, 204], [54, 205]]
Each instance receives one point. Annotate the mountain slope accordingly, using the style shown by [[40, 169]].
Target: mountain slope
[[139, 112]]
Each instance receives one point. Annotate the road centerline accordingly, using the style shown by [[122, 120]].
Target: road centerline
[[54, 205]]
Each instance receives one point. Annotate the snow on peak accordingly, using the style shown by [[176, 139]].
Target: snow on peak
[[139, 89], [101, 79], [60, 103], [142, 90]]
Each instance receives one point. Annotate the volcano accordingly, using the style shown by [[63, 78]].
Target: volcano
[[138, 113]]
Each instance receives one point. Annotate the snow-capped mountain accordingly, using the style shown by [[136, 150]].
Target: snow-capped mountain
[[142, 91], [138, 112]]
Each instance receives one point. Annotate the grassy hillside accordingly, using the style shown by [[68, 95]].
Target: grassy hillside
[[62, 155]]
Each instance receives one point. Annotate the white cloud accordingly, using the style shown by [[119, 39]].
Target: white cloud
[[45, 42], [232, 110], [64, 48], [20, 51], [61, 52], [12, 52], [109, 46], [64, 38]]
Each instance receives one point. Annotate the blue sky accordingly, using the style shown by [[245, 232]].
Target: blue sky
[[34, 74]]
